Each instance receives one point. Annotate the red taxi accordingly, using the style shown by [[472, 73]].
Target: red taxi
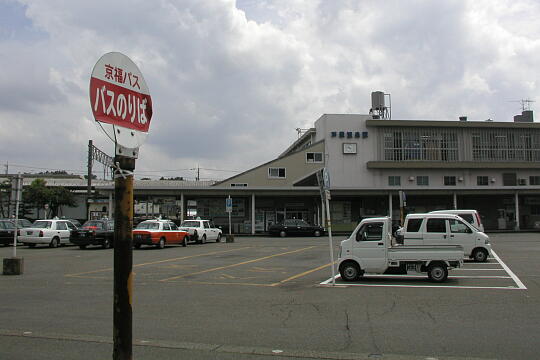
[[158, 233]]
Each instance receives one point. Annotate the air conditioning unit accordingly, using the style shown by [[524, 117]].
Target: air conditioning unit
[[460, 178], [492, 180], [411, 178], [522, 182]]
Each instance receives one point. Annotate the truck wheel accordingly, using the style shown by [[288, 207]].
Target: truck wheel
[[196, 237], [480, 255], [350, 271], [218, 238], [161, 243], [437, 272], [282, 233], [184, 242], [137, 246], [203, 239], [106, 244], [317, 233], [31, 245], [82, 247]]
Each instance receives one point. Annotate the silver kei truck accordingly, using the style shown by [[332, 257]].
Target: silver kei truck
[[371, 250]]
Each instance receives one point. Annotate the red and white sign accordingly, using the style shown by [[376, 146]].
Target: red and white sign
[[118, 93]]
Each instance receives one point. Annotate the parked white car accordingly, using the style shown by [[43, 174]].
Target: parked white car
[[201, 231], [445, 229], [52, 232], [470, 216]]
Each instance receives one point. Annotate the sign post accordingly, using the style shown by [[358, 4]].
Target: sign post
[[15, 265], [228, 209], [402, 205], [122, 106], [323, 177]]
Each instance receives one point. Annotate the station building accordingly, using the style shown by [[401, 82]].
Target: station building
[[493, 167]]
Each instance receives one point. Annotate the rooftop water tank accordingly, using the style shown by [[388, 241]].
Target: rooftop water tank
[[377, 100]]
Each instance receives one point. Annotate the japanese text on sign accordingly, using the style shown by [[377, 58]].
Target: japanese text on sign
[[120, 76]]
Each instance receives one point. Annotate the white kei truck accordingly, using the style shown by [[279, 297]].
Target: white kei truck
[[370, 250]]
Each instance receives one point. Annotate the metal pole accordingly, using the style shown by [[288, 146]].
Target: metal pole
[[516, 204], [123, 259], [230, 224], [330, 239], [18, 182], [252, 214], [89, 180]]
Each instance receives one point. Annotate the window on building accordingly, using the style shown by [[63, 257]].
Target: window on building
[[394, 180], [482, 180], [450, 180], [314, 157], [535, 209], [420, 144], [506, 145], [422, 180], [509, 179], [534, 180], [276, 173]]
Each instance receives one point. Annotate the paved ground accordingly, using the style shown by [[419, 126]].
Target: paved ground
[[262, 297]]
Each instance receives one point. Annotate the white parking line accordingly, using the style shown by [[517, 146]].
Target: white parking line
[[327, 283], [514, 276], [478, 269]]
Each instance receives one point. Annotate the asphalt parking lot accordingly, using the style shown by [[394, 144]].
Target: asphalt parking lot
[[261, 297]]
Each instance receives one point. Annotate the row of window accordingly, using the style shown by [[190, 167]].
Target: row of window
[[443, 145], [509, 179]]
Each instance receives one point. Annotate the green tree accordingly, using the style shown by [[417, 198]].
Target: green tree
[[60, 196], [38, 194], [5, 193]]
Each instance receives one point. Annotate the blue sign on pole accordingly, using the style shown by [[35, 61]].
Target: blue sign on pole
[[326, 179], [228, 205]]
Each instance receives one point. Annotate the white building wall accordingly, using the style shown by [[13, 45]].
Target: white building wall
[[348, 171]]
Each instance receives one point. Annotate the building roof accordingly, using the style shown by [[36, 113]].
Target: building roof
[[453, 124]]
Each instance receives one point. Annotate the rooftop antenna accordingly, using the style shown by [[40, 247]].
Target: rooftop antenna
[[525, 104], [301, 131]]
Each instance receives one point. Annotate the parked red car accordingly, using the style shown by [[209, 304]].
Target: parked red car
[[158, 233]]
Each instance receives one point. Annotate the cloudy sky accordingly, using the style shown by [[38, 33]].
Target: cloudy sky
[[232, 80]]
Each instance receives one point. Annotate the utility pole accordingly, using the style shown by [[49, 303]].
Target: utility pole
[[123, 258], [197, 178], [89, 179]]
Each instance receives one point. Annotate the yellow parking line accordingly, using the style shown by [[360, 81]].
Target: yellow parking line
[[160, 261], [300, 275], [238, 264], [225, 283]]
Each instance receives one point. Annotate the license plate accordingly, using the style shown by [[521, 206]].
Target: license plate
[[28, 233]]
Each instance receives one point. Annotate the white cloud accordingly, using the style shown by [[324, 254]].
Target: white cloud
[[231, 81]]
